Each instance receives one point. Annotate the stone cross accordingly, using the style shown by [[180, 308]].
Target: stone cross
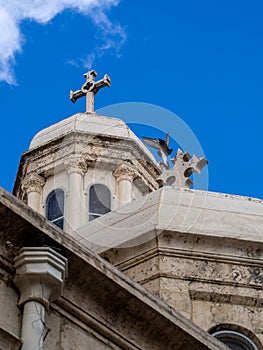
[[184, 166], [90, 88]]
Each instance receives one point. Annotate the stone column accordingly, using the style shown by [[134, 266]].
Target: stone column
[[124, 175], [40, 275], [33, 185], [76, 168]]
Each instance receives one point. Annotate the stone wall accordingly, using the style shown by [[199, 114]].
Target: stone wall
[[210, 281]]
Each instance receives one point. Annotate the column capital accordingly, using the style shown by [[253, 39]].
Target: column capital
[[40, 274], [33, 183], [76, 165], [124, 172]]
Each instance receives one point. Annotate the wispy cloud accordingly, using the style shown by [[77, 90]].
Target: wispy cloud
[[14, 12], [111, 38]]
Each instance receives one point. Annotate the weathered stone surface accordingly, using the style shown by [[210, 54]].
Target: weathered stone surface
[[228, 313], [74, 337], [96, 148], [203, 214], [101, 306], [9, 341], [200, 252], [92, 124], [7, 319]]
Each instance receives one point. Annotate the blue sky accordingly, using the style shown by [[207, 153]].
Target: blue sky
[[201, 60]]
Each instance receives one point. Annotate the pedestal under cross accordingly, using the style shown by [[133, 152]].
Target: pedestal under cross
[[90, 88]]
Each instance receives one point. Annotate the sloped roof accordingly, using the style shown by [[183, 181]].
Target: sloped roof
[[176, 209]]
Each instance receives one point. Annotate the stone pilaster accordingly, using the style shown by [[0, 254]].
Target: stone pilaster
[[76, 168], [124, 175], [40, 275], [33, 185]]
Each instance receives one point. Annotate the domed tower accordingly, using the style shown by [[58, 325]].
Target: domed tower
[[84, 166]]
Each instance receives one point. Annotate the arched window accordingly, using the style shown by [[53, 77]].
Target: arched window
[[99, 201], [55, 207], [235, 340]]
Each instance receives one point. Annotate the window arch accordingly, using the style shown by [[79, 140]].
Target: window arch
[[99, 201], [235, 340], [235, 337], [55, 207]]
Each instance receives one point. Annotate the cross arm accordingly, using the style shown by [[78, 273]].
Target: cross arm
[[105, 81], [75, 95]]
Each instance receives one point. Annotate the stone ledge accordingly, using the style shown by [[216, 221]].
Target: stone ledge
[[9, 341], [90, 324]]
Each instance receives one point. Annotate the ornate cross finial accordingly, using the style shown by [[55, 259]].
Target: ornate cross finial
[[184, 166], [90, 88]]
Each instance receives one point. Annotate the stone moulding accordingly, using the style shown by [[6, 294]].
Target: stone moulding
[[9, 341], [89, 323], [97, 151]]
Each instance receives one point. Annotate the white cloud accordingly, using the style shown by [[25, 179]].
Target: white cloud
[[112, 38], [13, 12]]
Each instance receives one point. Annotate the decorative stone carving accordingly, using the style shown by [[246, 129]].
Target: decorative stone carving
[[33, 183], [76, 165], [125, 172], [184, 166], [90, 88]]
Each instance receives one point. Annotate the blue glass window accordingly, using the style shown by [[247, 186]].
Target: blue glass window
[[55, 207], [99, 201]]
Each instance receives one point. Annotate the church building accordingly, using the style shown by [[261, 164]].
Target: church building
[[102, 247]]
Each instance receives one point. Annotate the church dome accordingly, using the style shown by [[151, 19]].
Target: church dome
[[87, 124]]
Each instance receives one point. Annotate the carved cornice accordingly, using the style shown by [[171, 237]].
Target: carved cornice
[[76, 165], [143, 173], [33, 183], [125, 172], [95, 150]]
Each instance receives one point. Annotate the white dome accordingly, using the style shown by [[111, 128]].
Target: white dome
[[83, 123], [88, 124]]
